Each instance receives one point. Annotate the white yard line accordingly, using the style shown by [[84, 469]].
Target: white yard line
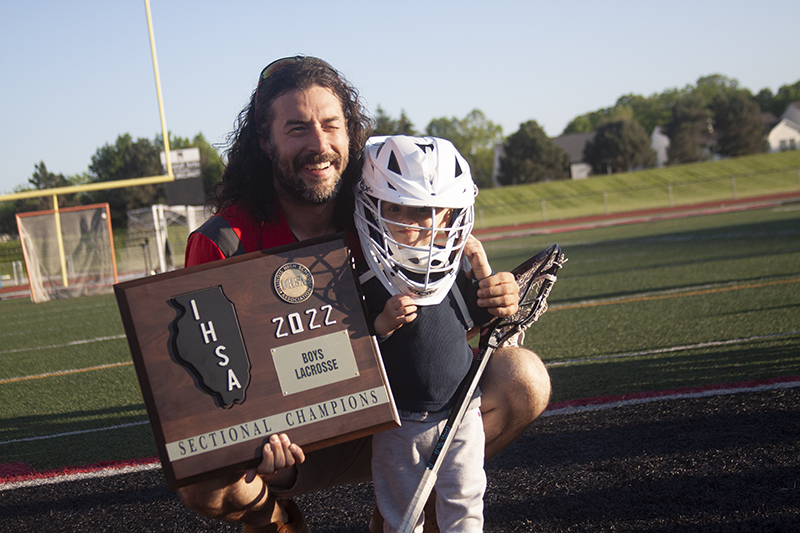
[[670, 349], [71, 343], [64, 372], [69, 433]]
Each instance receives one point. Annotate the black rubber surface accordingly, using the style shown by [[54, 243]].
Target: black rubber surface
[[724, 463]]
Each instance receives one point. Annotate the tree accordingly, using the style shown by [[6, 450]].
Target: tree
[[581, 124], [619, 146], [738, 124], [386, 125], [690, 130], [41, 179], [764, 100], [211, 167], [530, 156], [126, 159], [44, 179], [786, 95], [592, 121], [777, 103], [475, 137], [404, 125], [8, 219], [708, 87], [652, 111]]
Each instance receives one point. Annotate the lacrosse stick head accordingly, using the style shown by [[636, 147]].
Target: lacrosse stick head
[[535, 278]]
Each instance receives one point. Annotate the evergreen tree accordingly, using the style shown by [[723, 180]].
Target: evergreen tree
[[530, 156], [619, 146], [737, 124], [386, 125], [690, 130]]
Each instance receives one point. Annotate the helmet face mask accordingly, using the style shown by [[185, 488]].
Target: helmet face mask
[[407, 185]]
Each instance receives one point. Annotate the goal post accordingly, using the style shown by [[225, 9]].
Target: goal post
[[68, 252]]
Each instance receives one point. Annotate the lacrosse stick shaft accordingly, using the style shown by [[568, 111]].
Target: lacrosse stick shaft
[[491, 338], [426, 484]]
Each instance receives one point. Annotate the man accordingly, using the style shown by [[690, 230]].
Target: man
[[292, 163]]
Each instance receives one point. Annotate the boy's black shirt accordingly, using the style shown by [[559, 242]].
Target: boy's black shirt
[[427, 359]]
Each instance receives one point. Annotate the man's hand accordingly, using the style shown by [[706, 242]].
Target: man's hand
[[499, 293]]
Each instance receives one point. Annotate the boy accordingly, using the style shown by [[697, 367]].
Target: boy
[[414, 215]]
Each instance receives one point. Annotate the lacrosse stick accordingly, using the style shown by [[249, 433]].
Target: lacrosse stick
[[535, 278]]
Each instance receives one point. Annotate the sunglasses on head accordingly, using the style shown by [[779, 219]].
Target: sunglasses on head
[[277, 65]]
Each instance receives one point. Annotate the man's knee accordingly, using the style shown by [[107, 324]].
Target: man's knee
[[516, 377], [516, 390], [532, 380]]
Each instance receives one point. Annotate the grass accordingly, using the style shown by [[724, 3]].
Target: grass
[[637, 308], [739, 177], [691, 282]]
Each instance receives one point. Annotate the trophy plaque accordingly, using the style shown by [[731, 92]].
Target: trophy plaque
[[230, 352]]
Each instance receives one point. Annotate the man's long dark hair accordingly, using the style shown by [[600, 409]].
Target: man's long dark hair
[[247, 179]]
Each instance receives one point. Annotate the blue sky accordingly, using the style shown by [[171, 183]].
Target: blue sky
[[75, 75]]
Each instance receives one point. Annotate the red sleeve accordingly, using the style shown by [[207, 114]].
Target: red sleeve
[[200, 249]]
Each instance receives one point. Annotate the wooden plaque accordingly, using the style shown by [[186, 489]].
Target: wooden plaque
[[230, 352]]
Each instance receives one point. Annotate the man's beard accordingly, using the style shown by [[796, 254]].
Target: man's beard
[[286, 172]]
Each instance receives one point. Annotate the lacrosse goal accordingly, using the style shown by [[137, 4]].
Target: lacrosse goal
[[69, 252]]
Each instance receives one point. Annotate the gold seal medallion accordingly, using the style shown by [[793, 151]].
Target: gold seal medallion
[[294, 283]]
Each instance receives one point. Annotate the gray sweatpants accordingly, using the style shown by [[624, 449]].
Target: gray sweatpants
[[399, 458]]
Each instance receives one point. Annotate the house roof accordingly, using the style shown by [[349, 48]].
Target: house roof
[[573, 144], [788, 123], [769, 120], [792, 112]]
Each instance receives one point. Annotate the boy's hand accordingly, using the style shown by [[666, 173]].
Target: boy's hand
[[278, 457], [399, 310], [474, 252]]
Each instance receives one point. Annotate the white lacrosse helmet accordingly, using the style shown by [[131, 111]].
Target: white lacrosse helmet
[[416, 172]]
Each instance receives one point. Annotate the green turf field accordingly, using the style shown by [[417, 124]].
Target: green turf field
[[637, 308]]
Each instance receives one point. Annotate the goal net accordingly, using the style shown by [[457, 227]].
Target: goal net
[[68, 253], [156, 238]]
